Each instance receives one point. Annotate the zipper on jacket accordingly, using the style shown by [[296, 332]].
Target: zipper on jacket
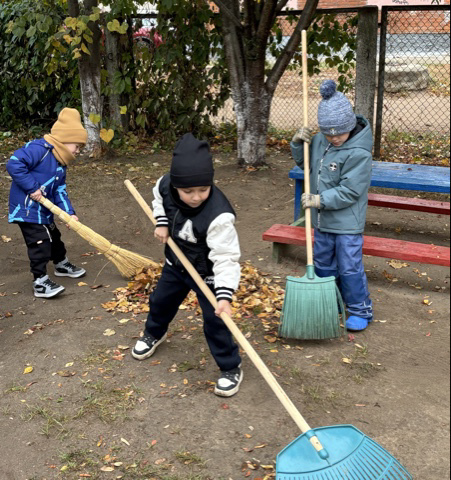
[[319, 179]]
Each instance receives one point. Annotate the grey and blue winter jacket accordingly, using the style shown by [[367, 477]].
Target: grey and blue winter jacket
[[35, 167], [342, 177]]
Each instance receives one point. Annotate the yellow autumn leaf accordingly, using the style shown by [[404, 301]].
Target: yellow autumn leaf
[[107, 135], [107, 469], [346, 360], [109, 332], [123, 110], [28, 370], [82, 284], [85, 49], [94, 118]]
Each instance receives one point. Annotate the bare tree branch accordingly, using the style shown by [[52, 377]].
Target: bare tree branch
[[290, 48]]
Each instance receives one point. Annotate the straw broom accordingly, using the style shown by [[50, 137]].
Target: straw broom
[[128, 263], [310, 310]]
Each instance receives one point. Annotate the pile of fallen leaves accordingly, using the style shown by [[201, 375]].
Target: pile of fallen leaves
[[259, 295]]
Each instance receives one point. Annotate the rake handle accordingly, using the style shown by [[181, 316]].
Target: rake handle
[[236, 332], [308, 211]]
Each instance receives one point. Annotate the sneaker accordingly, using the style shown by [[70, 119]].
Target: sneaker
[[229, 383], [145, 347], [45, 288], [67, 269]]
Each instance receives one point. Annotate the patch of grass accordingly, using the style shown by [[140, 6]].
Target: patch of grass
[[79, 459], [359, 361], [108, 404], [16, 388], [188, 458], [424, 149], [54, 422]]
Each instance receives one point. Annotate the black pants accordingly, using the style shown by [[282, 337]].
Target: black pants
[[164, 302], [44, 244]]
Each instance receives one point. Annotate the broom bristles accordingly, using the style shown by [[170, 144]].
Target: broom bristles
[[128, 263], [310, 310]]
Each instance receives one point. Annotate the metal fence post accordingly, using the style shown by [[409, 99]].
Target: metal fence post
[[365, 87], [381, 82]]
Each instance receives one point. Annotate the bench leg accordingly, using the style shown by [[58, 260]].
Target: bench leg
[[278, 250]]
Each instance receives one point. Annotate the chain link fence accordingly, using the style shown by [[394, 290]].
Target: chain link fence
[[414, 82], [414, 86]]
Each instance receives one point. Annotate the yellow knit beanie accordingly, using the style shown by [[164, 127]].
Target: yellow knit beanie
[[68, 128]]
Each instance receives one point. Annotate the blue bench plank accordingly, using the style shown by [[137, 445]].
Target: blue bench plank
[[403, 176], [400, 176]]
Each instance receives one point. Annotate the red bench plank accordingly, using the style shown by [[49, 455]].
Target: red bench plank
[[374, 246], [405, 203]]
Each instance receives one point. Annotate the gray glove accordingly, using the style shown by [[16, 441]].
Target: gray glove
[[304, 134], [311, 201]]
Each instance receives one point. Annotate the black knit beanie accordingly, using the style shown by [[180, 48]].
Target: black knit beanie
[[192, 163]]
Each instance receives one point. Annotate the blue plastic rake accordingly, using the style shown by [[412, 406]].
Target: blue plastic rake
[[350, 455]]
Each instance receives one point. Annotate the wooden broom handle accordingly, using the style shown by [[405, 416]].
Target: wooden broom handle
[[236, 332], [308, 211]]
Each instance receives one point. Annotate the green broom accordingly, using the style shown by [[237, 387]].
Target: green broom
[[311, 306]]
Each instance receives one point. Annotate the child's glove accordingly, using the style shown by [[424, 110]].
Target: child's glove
[[304, 134], [311, 201]]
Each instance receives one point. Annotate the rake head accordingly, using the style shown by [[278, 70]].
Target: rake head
[[311, 308], [352, 456]]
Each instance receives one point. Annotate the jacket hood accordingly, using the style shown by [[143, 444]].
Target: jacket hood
[[364, 139]]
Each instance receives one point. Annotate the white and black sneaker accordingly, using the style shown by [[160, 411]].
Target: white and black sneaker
[[229, 383], [67, 269], [145, 347], [45, 288]]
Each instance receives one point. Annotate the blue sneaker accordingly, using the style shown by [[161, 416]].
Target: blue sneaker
[[356, 324]]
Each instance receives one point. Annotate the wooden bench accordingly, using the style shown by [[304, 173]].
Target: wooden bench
[[373, 246], [407, 203], [399, 176]]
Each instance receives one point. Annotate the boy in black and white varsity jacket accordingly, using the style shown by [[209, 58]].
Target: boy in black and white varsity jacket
[[201, 221]]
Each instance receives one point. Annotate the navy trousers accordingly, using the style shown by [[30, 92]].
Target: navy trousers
[[341, 256], [164, 302], [44, 244]]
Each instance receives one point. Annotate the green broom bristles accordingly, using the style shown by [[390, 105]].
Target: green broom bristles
[[311, 308]]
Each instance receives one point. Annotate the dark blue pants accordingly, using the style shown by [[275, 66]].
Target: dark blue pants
[[164, 302], [341, 256]]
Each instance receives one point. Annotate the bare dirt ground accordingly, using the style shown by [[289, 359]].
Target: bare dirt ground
[[86, 411]]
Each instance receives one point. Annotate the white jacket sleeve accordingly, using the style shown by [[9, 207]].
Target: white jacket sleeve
[[225, 253], [158, 208]]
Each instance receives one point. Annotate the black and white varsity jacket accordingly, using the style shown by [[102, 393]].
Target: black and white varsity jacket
[[206, 235]]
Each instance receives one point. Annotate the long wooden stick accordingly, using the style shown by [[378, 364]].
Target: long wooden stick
[[308, 211], [241, 339]]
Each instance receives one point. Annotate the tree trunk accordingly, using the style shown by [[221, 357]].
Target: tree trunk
[[112, 66], [247, 27], [89, 70], [252, 115]]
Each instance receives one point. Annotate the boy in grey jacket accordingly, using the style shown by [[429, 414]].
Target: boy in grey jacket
[[341, 164]]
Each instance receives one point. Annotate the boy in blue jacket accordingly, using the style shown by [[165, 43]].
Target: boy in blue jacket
[[341, 165], [39, 169]]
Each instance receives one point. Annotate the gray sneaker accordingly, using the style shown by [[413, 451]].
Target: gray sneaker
[[67, 269], [45, 288]]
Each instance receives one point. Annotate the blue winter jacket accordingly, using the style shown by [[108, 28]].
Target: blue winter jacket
[[342, 176], [35, 167]]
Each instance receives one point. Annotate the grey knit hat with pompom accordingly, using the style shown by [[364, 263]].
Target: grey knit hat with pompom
[[335, 113]]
